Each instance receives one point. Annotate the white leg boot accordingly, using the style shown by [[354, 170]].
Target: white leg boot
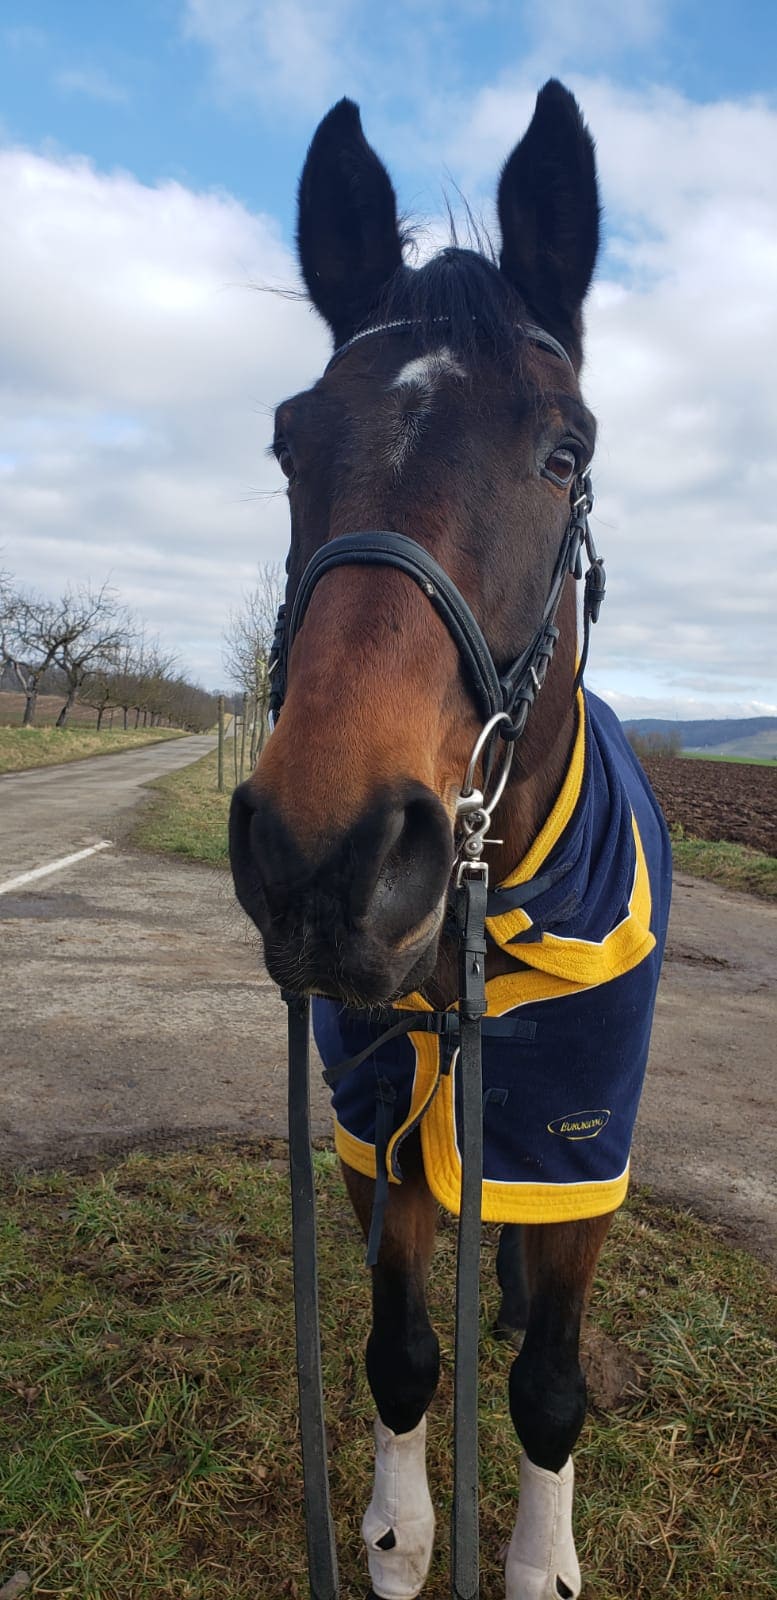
[[541, 1560], [398, 1525]]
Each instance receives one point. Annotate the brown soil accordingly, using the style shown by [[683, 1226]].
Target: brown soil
[[613, 1378], [718, 799]]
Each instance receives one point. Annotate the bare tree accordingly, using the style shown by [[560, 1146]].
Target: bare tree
[[30, 646], [88, 647], [98, 691], [9, 606], [92, 627], [155, 671], [126, 675], [70, 634], [247, 642]]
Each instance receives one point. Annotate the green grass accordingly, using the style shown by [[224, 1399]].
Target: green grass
[[732, 865], [148, 1433], [22, 748], [740, 761], [187, 816]]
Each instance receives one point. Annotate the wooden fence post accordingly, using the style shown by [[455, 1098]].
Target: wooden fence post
[[221, 744], [243, 738]]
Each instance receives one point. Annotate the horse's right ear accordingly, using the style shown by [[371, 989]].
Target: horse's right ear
[[347, 235]]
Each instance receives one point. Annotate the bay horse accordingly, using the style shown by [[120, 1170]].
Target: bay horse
[[451, 414]]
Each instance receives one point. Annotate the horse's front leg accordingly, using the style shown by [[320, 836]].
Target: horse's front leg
[[511, 1275], [547, 1404], [403, 1364]]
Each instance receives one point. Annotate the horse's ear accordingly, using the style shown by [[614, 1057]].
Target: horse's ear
[[549, 214], [347, 235]]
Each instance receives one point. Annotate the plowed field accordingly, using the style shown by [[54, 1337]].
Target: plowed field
[[718, 799]]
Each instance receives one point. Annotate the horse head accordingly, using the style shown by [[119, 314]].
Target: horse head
[[445, 417]]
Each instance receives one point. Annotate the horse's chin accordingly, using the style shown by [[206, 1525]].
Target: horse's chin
[[356, 972]]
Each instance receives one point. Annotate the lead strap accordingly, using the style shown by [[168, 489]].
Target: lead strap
[[322, 1556], [471, 896]]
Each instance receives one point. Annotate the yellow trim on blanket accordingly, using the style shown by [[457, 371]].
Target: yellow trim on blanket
[[506, 1202], [355, 1152], [360, 1155], [563, 810], [502, 1202], [583, 961], [425, 1084]]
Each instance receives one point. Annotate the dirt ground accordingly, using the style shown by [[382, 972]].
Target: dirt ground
[[718, 799], [134, 1012]]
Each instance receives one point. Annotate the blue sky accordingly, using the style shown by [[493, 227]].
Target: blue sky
[[150, 153], [136, 85]]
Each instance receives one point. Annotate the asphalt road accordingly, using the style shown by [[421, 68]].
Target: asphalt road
[[134, 1010], [54, 811]]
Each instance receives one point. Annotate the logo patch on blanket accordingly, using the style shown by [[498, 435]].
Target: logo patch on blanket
[[580, 1124], [584, 916]]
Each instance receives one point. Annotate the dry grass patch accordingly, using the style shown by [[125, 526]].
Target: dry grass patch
[[148, 1430], [732, 865], [187, 816], [22, 748]]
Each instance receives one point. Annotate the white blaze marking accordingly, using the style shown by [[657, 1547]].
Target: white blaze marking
[[425, 371], [53, 866]]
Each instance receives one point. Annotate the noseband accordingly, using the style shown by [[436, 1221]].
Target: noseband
[[504, 701]]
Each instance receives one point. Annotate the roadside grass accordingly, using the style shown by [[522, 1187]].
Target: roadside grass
[[734, 866], [148, 1430], [22, 748], [186, 815]]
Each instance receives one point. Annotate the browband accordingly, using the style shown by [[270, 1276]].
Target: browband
[[534, 334]]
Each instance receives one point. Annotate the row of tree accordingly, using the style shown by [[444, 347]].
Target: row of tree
[[87, 646], [248, 640]]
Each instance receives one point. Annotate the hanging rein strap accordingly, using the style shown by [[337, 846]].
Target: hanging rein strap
[[322, 1557], [471, 895]]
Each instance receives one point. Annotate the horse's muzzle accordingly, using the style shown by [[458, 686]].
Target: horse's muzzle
[[360, 918]]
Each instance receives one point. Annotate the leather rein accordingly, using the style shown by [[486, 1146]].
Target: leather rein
[[504, 702]]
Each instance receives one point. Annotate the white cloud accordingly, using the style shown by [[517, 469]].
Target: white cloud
[[139, 366], [684, 709], [681, 326], [573, 32], [299, 53], [137, 361]]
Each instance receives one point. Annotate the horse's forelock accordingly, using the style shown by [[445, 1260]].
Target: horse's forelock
[[459, 299]]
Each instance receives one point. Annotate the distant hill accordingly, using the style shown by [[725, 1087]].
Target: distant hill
[[723, 736]]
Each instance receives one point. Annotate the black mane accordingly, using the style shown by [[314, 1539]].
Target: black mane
[[459, 298]]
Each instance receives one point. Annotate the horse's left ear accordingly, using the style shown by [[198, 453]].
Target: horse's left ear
[[347, 234], [549, 214]]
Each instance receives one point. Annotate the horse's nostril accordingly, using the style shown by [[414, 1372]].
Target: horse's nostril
[[415, 869], [244, 871], [259, 852]]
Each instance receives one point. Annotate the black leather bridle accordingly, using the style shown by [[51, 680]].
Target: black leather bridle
[[515, 689], [504, 701]]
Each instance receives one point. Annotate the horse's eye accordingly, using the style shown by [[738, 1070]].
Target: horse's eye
[[284, 458], [560, 466]]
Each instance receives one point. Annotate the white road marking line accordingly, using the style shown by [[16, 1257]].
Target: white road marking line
[[53, 866]]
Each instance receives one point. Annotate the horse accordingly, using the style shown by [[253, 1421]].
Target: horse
[[444, 452]]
